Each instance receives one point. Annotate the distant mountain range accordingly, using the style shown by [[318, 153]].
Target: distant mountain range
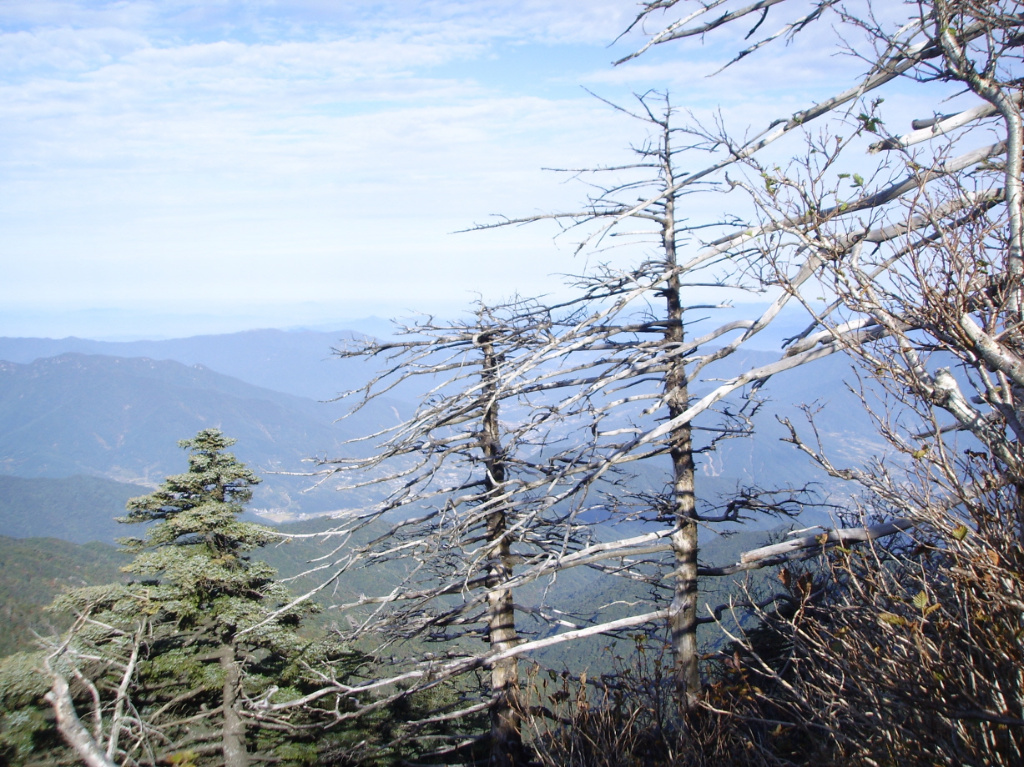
[[70, 407], [84, 425], [121, 418], [294, 362]]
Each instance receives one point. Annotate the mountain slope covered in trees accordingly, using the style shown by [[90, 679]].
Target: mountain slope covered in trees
[[33, 571], [119, 418], [77, 508]]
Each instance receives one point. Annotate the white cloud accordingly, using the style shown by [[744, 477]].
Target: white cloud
[[315, 149]]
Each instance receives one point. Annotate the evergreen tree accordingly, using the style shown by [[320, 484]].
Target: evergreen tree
[[208, 660]]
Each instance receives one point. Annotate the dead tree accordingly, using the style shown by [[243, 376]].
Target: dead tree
[[915, 240], [473, 480], [530, 414], [621, 368], [800, 230], [639, 363]]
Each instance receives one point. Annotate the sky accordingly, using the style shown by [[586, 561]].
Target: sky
[[173, 167]]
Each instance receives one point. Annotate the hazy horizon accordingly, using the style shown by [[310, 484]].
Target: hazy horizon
[[178, 168], [94, 325]]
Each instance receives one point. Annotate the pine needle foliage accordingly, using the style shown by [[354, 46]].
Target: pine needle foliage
[[192, 562], [195, 615]]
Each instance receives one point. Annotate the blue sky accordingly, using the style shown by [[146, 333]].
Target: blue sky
[[174, 167]]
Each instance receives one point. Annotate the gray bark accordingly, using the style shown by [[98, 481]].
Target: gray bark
[[233, 733], [506, 736], [683, 612]]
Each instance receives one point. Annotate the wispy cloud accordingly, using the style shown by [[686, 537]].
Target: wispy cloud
[[314, 150]]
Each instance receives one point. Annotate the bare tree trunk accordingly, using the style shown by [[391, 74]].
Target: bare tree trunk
[[70, 726], [506, 737], [233, 733], [683, 612]]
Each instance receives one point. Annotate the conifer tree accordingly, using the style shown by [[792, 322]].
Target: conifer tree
[[194, 652], [208, 589]]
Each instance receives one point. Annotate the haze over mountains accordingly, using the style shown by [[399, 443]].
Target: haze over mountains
[[293, 362], [115, 411], [67, 410], [85, 425]]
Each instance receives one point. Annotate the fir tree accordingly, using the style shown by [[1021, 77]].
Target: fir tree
[[196, 619]]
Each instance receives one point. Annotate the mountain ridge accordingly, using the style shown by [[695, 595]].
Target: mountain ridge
[[289, 361], [121, 418]]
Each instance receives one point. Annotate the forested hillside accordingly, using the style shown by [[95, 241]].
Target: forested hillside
[[77, 508], [33, 571]]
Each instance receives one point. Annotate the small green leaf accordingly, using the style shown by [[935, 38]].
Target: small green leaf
[[920, 601], [961, 532], [869, 123]]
